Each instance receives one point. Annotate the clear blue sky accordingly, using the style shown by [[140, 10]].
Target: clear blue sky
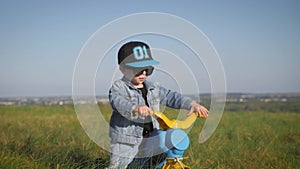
[[258, 41]]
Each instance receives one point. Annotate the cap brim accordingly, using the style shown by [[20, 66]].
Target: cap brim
[[144, 63]]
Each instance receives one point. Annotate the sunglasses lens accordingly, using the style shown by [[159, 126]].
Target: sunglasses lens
[[148, 71]]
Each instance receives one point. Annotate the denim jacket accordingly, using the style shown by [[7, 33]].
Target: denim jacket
[[125, 125]]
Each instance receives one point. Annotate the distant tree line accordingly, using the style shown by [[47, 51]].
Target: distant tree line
[[257, 106]]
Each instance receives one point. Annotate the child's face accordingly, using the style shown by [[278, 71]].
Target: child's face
[[139, 79], [137, 75]]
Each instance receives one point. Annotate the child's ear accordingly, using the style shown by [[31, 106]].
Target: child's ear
[[122, 69], [126, 72]]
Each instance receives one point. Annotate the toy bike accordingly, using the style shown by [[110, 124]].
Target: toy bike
[[173, 137]]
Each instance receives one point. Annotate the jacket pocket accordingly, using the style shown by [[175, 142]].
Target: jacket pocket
[[133, 97], [131, 134], [154, 97]]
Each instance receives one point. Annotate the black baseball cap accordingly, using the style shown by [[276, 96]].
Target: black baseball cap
[[135, 54]]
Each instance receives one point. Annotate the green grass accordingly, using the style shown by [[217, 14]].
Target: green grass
[[51, 137], [250, 140], [45, 137]]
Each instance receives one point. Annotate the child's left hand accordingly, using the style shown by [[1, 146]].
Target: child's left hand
[[201, 111]]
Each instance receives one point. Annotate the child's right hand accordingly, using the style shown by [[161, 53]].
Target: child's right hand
[[142, 110], [200, 110]]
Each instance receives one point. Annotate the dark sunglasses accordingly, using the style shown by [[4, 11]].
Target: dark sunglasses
[[139, 71]]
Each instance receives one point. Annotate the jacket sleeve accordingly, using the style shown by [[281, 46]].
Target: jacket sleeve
[[174, 99], [118, 100]]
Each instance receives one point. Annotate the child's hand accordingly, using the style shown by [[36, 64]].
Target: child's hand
[[143, 110], [201, 111]]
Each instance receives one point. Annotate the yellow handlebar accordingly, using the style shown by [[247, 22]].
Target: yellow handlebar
[[165, 123]]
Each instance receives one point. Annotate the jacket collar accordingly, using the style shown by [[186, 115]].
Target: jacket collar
[[128, 82], [148, 84]]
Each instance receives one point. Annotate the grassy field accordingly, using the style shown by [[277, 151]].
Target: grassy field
[[51, 137]]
